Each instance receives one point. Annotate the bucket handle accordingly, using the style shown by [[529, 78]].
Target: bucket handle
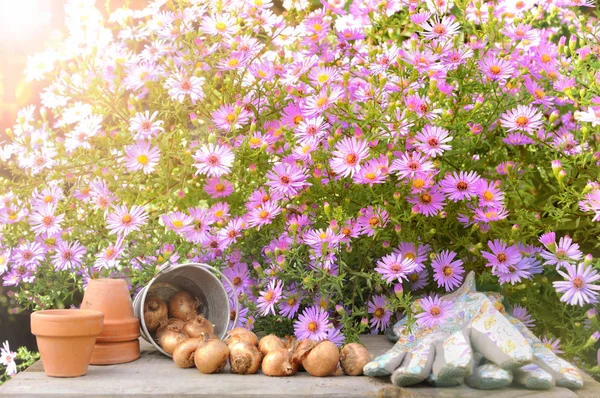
[[164, 268]]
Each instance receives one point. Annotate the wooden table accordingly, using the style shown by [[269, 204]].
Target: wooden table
[[156, 375]]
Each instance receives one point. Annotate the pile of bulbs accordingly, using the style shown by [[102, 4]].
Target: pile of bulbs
[[189, 337], [273, 355]]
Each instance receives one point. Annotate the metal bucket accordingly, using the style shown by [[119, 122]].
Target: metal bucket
[[201, 281]]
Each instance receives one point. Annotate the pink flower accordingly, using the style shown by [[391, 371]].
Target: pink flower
[[443, 28], [578, 288], [459, 186], [394, 267], [267, 300], [435, 311], [199, 226], [447, 272], [348, 155], [374, 218], [522, 118], [263, 214], [180, 86], [218, 187], [432, 140], [379, 308], [176, 221], [43, 220], [312, 324], [144, 127], [213, 160], [412, 165], [502, 256], [68, 256], [228, 118], [141, 157], [123, 221], [286, 179], [495, 68], [429, 202], [109, 257], [8, 359]]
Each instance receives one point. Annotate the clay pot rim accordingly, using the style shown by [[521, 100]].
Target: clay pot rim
[[73, 313], [110, 281]]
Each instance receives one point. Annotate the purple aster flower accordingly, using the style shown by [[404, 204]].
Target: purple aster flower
[[43, 220], [263, 214], [180, 86], [267, 300], [489, 194], [552, 345], [290, 304], [348, 155], [29, 254], [199, 226], [68, 255], [522, 315], [394, 267], [213, 160], [176, 220], [218, 187], [312, 324], [412, 165], [432, 140], [239, 276], [287, 179], [372, 219], [565, 252], [578, 288], [228, 118], [335, 335], [435, 311], [514, 272], [418, 279], [522, 118], [109, 257], [429, 202], [502, 255], [415, 252], [446, 272], [123, 221], [459, 186], [144, 126], [496, 68], [379, 309]]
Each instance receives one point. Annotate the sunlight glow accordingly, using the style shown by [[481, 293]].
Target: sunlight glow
[[21, 18]]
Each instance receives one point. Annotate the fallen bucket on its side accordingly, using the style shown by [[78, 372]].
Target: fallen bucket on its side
[[201, 281]]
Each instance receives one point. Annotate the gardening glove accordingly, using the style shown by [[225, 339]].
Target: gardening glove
[[475, 322], [488, 376], [547, 368]]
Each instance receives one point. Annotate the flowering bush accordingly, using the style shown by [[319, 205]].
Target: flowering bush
[[334, 160]]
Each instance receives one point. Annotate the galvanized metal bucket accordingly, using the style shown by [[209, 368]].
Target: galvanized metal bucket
[[201, 281]]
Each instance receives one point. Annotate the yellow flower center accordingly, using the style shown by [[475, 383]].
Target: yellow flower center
[[322, 78], [178, 223], [313, 326], [220, 26], [230, 117], [487, 195], [322, 101], [447, 270], [142, 159], [495, 69], [219, 187], [546, 58], [522, 121]]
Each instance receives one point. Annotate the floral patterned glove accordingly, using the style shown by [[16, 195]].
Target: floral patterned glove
[[547, 368], [444, 350]]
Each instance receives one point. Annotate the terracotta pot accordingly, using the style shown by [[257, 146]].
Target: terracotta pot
[[115, 353], [65, 339], [118, 343], [111, 297]]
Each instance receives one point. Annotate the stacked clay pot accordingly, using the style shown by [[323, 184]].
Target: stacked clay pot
[[118, 342]]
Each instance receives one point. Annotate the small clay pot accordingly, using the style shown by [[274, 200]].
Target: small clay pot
[[118, 343], [65, 339]]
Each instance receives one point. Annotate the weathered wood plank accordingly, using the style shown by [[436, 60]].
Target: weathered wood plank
[[156, 375]]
